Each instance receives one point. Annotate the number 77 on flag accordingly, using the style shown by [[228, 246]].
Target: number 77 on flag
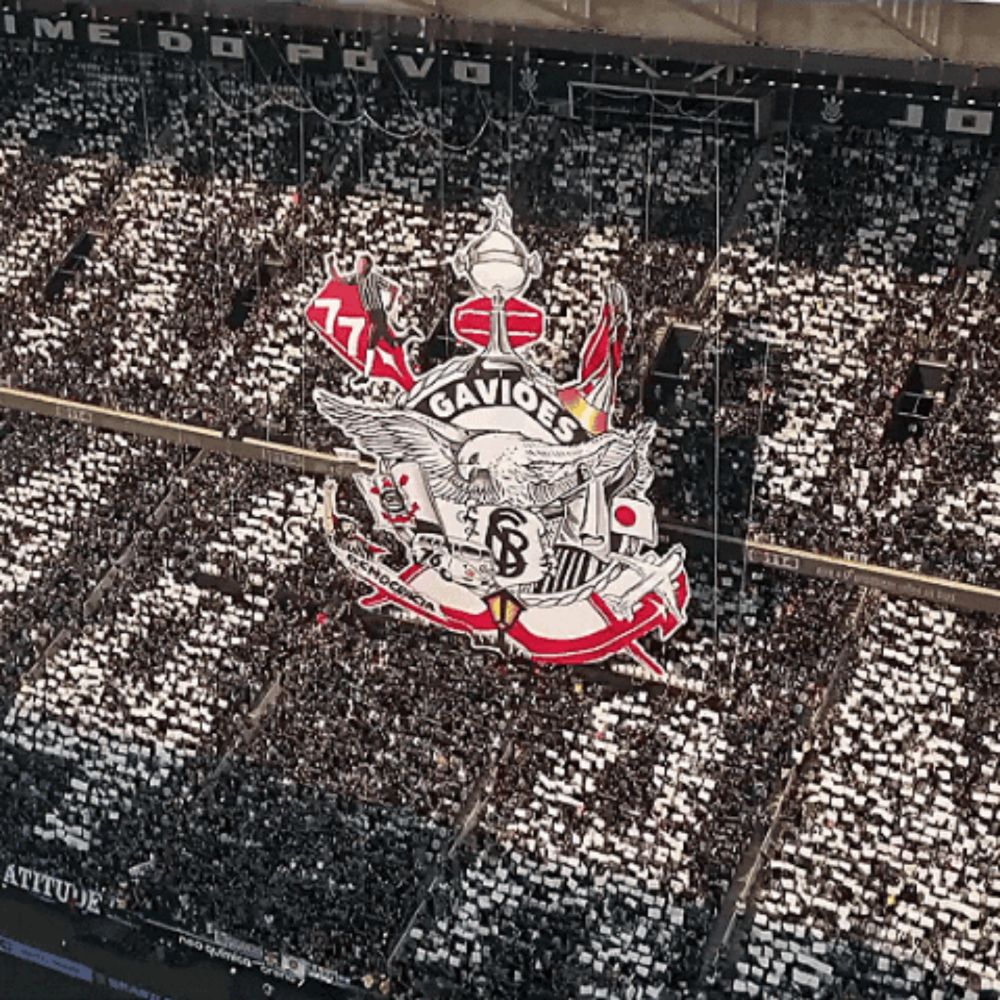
[[338, 315]]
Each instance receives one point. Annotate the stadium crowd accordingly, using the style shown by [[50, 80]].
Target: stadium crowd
[[882, 881], [221, 740], [72, 502], [204, 729]]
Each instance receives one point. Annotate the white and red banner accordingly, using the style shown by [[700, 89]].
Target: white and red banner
[[521, 508]]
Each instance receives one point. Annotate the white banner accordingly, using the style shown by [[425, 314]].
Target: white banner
[[49, 887]]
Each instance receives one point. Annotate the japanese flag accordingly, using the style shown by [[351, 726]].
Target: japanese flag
[[633, 517]]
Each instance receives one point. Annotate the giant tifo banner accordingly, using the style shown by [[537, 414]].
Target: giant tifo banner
[[521, 509]]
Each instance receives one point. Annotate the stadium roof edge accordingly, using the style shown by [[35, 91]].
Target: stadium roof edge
[[954, 47]]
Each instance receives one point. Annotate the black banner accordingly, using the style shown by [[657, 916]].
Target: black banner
[[918, 113], [580, 82]]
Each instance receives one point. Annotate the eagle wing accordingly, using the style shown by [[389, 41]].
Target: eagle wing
[[553, 471], [400, 435]]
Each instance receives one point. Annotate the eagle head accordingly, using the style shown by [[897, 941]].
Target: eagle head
[[479, 457]]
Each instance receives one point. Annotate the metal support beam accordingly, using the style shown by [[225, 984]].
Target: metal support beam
[[566, 10], [712, 12], [428, 8], [709, 74], [899, 582], [575, 13], [918, 21], [186, 435]]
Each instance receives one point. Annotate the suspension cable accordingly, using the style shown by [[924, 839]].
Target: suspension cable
[[591, 144], [510, 136], [717, 323], [648, 197], [303, 347], [762, 389], [442, 177], [142, 94]]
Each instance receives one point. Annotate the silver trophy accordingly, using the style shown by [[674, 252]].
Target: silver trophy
[[497, 265]]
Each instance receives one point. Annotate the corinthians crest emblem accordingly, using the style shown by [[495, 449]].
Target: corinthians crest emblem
[[521, 509], [833, 110]]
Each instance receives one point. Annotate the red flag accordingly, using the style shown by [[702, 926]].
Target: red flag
[[591, 399], [338, 316]]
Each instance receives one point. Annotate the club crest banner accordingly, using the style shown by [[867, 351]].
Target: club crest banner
[[522, 510]]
